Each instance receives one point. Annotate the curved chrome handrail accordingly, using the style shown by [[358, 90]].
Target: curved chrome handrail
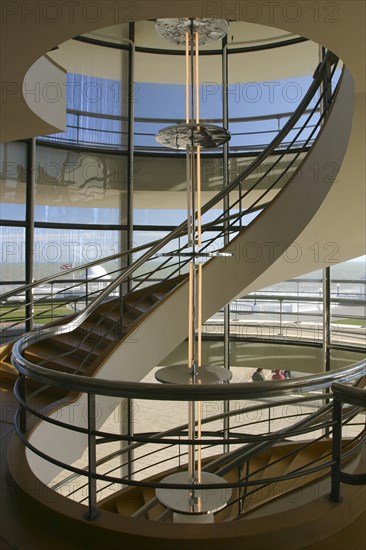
[[350, 395], [181, 392], [254, 444]]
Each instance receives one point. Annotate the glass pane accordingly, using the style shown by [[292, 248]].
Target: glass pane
[[97, 92], [152, 268], [60, 249], [160, 188], [12, 257], [348, 302], [80, 187], [13, 167]]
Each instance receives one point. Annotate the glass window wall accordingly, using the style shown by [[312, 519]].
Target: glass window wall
[[293, 310]]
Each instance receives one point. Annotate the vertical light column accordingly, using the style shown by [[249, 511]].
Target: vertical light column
[[192, 137], [188, 155], [198, 267], [194, 238]]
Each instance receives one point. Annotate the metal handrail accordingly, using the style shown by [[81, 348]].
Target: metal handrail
[[57, 276], [212, 465], [349, 395], [178, 120], [177, 430], [310, 423], [179, 392]]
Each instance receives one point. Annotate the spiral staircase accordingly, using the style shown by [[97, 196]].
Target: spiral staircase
[[91, 354]]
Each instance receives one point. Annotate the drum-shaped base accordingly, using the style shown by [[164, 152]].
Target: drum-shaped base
[[180, 374], [194, 502]]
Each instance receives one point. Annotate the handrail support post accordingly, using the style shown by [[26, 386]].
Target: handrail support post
[[92, 512], [336, 452], [23, 410]]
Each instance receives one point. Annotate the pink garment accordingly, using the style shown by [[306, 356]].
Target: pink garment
[[278, 375]]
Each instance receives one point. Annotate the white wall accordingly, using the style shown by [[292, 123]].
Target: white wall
[[44, 91]]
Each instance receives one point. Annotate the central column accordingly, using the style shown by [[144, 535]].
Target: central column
[[193, 504]]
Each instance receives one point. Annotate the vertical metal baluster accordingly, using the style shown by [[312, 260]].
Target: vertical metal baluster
[[240, 205], [120, 324], [240, 492], [336, 452], [92, 512], [179, 456], [86, 288], [130, 432], [23, 412]]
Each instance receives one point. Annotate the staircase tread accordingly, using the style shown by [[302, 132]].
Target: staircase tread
[[56, 362], [268, 493], [301, 458], [130, 506], [148, 494]]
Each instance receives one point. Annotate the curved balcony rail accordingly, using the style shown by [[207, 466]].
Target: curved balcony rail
[[295, 413], [102, 130], [89, 129]]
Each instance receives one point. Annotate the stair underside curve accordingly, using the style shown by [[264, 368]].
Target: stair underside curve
[[254, 250]]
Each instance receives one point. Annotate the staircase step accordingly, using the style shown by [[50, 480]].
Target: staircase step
[[74, 344], [45, 357], [276, 466], [94, 337], [231, 511], [130, 504], [141, 306], [8, 373], [131, 315], [98, 333], [302, 458], [148, 495], [256, 468]]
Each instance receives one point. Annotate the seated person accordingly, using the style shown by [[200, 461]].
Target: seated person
[[278, 375], [258, 375]]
